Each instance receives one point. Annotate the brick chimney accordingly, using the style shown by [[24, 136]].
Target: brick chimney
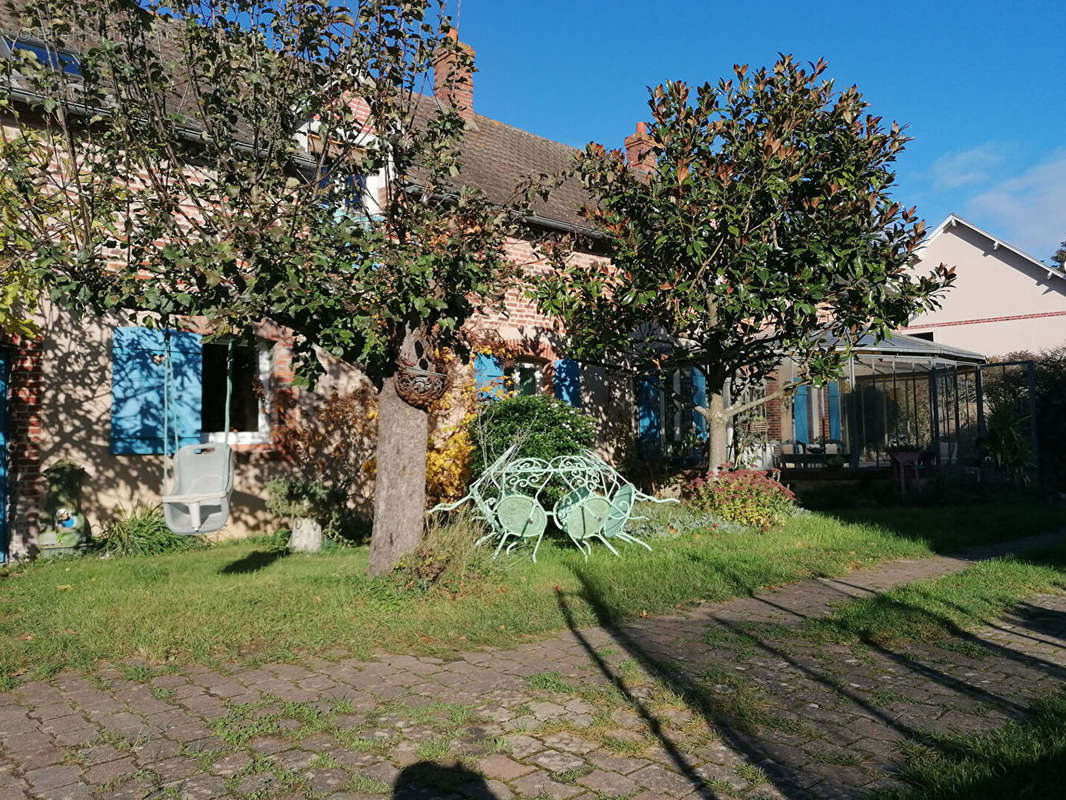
[[453, 81], [640, 152]]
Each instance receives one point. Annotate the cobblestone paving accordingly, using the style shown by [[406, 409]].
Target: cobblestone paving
[[728, 701]]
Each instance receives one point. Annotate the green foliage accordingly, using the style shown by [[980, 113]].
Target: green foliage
[[1007, 439], [142, 531], [542, 426], [750, 497], [764, 224], [448, 560]]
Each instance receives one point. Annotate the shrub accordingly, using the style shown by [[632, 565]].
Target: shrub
[[448, 559], [747, 496], [542, 426], [142, 531]]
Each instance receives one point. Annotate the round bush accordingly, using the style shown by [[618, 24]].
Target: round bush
[[542, 426]]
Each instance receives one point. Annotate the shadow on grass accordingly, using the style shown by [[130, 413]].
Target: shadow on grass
[[253, 562], [427, 779], [768, 727], [951, 528]]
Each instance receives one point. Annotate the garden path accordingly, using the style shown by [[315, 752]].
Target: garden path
[[727, 700]]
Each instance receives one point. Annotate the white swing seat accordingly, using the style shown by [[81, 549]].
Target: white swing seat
[[199, 497]]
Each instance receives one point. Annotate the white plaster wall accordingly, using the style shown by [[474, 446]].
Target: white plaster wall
[[992, 284]]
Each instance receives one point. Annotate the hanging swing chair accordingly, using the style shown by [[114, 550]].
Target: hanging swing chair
[[200, 480]]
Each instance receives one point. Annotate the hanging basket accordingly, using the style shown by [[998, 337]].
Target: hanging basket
[[419, 387]]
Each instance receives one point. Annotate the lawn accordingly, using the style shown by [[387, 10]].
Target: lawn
[[250, 601]]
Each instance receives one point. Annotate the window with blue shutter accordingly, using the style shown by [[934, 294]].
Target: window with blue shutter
[[568, 382], [801, 415], [488, 376], [138, 374], [649, 417], [3, 454], [699, 398]]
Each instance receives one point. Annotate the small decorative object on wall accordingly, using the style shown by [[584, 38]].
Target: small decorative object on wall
[[67, 528], [418, 386]]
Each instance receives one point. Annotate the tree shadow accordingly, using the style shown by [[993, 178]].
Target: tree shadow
[[253, 562], [427, 780], [770, 731]]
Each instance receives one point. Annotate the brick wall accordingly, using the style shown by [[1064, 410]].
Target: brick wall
[[25, 483]]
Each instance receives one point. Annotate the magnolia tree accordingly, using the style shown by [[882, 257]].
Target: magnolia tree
[[242, 160], [757, 224]]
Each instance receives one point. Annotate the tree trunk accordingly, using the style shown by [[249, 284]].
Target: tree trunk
[[717, 433], [400, 487]]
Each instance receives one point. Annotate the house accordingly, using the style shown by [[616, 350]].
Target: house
[[93, 389], [1004, 300]]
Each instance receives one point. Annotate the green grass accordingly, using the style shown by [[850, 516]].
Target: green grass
[[1025, 760], [249, 601], [936, 610]]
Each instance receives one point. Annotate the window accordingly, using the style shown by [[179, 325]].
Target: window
[[927, 335], [63, 60], [250, 368], [525, 377], [154, 408]]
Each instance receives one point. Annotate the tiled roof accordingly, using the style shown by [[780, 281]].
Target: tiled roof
[[495, 156]]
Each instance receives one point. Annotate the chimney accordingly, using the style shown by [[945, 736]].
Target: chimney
[[453, 81], [640, 151]]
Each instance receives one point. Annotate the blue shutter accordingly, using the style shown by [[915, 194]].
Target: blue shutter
[[834, 410], [138, 373], [488, 376], [3, 454], [801, 428], [699, 398], [568, 382], [649, 417]]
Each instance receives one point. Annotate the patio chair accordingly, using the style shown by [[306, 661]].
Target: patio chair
[[581, 514]]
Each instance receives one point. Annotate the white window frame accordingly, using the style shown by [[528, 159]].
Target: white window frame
[[263, 435], [511, 376]]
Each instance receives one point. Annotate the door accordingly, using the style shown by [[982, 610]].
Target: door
[[4, 360]]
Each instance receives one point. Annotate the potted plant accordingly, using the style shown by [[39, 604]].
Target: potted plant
[[304, 503]]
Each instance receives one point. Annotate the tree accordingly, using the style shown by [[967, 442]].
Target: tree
[[1058, 258], [755, 222], [242, 160]]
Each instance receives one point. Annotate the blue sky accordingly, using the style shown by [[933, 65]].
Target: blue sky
[[981, 84]]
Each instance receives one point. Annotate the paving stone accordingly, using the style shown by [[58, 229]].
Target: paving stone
[[608, 783], [326, 780], [47, 779], [540, 783], [556, 761], [111, 771], [662, 780], [502, 767]]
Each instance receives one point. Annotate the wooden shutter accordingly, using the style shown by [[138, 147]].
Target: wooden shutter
[[568, 381], [488, 377], [801, 414], [138, 370], [649, 417], [699, 398]]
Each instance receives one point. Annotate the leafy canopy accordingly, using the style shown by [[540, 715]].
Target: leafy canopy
[[238, 160], [765, 225]]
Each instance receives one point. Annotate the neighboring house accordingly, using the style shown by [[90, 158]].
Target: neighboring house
[[1004, 300], [92, 388]]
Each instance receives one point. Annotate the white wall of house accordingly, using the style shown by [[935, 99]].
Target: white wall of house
[[1003, 301]]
